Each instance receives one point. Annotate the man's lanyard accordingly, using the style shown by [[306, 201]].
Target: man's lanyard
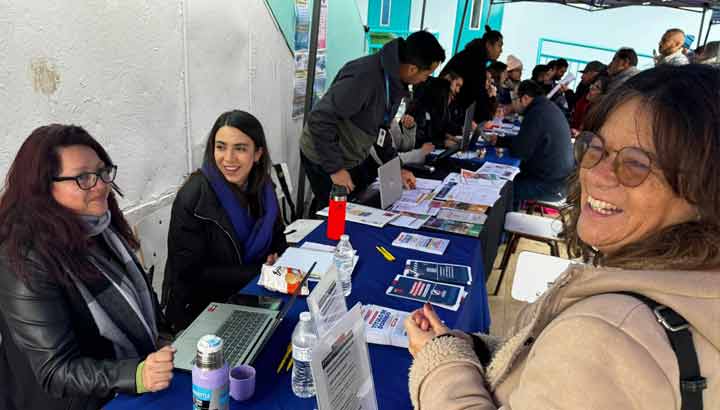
[[388, 105]]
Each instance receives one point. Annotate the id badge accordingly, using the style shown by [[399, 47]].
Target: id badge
[[381, 137]]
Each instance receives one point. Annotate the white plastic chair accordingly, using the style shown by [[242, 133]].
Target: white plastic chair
[[280, 175], [537, 228], [534, 274]]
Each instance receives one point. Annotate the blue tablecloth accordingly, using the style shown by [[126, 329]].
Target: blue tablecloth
[[476, 162], [370, 280]]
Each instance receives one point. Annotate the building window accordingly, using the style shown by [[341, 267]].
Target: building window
[[475, 14], [385, 6]]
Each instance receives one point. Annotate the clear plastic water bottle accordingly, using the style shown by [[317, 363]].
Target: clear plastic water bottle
[[344, 263], [303, 342]]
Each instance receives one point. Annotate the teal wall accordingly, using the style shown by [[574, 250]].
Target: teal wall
[[284, 13], [399, 15], [495, 21], [346, 36]]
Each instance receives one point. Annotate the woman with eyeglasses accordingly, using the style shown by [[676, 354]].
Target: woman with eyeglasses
[[638, 325], [225, 221], [78, 316], [597, 90]]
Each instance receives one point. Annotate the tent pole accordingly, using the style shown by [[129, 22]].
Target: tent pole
[[462, 27], [707, 33], [487, 17], [422, 16], [309, 88], [702, 23]]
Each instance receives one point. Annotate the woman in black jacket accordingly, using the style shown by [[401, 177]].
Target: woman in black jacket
[[430, 109], [471, 64], [78, 317], [225, 221]]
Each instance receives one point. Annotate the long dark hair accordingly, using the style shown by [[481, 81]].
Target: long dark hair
[[684, 103], [248, 124], [34, 227]]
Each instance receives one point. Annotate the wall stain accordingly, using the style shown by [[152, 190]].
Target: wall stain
[[45, 77]]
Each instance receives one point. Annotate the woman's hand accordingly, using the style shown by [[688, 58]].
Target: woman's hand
[[157, 372], [450, 142], [408, 179], [427, 148], [422, 326], [407, 121], [271, 259]]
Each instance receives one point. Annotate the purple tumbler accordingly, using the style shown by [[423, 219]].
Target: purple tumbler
[[210, 376]]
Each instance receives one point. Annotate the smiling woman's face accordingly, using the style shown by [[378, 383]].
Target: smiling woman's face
[[613, 215]]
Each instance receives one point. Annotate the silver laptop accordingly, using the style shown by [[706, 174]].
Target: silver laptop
[[390, 182], [467, 128], [467, 137], [245, 328]]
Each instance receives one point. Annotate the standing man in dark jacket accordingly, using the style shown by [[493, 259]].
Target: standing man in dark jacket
[[345, 138], [543, 145], [471, 64]]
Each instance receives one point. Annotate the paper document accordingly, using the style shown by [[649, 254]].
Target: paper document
[[302, 228], [384, 326], [341, 366], [364, 215], [462, 216], [565, 81], [327, 303], [484, 195], [421, 243], [411, 221], [500, 170], [439, 294], [303, 259], [429, 184], [329, 249]]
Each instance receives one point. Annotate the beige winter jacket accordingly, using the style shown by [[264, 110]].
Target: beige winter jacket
[[581, 346]]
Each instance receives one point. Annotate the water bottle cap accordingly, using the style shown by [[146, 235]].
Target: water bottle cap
[[344, 237], [305, 317], [209, 344]]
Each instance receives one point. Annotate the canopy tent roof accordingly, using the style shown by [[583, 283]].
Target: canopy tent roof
[[595, 5]]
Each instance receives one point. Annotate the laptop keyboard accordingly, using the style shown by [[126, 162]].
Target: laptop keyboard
[[238, 332]]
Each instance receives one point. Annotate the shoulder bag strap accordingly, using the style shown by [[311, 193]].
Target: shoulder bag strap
[[678, 331]]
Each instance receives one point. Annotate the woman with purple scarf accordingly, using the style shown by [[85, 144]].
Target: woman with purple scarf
[[225, 221]]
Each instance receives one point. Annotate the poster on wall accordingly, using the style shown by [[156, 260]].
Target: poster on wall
[[302, 45]]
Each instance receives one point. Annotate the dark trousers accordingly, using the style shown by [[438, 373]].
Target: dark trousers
[[362, 175], [526, 188]]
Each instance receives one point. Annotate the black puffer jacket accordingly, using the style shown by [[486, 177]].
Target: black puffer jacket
[[52, 356], [204, 254], [471, 65]]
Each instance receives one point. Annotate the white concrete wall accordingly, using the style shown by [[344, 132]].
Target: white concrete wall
[[636, 27], [113, 67], [144, 78], [239, 60]]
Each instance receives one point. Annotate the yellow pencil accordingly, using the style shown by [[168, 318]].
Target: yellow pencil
[[289, 365], [282, 362], [392, 257], [384, 253]]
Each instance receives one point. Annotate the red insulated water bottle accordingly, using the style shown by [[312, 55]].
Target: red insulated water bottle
[[336, 212]]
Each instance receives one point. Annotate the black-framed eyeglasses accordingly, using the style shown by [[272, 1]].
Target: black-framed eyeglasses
[[88, 180], [631, 165]]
